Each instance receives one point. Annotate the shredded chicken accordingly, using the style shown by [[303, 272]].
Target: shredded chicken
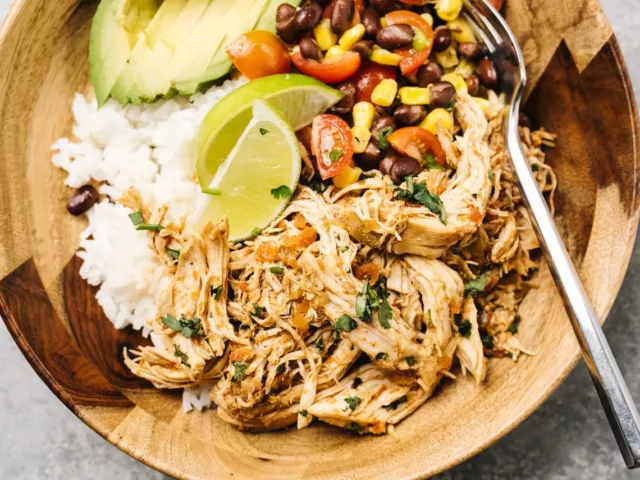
[[355, 303]]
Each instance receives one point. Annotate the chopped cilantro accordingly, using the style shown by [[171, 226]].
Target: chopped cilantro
[[258, 311], [513, 328], [419, 193], [316, 185], [411, 361], [344, 323], [430, 163], [175, 254], [487, 339], [371, 299], [356, 383], [281, 192], [385, 314], [354, 427], [239, 369], [475, 286], [335, 155], [277, 270], [490, 174], [394, 405], [217, 292], [304, 413], [464, 328], [383, 134], [184, 359], [136, 218], [450, 106], [382, 356], [353, 402], [154, 227], [320, 345], [263, 131], [185, 326]]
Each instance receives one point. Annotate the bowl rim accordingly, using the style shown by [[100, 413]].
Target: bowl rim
[[156, 463]]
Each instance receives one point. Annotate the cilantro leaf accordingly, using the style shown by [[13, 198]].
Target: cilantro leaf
[[385, 314], [263, 131], [319, 345], [475, 286], [154, 227], [217, 292], [513, 328], [316, 185], [464, 328], [411, 361], [175, 254], [136, 218], [354, 427], [383, 134], [419, 193], [353, 402], [277, 270], [335, 155], [239, 369], [185, 326], [356, 383], [344, 323], [382, 356], [184, 359], [281, 192], [258, 311], [487, 339], [394, 405], [490, 175], [430, 163]]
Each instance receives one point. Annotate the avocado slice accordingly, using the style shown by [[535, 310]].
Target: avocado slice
[[220, 63], [114, 32], [236, 21], [146, 75]]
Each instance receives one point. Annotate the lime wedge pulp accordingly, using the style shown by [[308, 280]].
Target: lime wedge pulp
[[298, 97], [255, 182]]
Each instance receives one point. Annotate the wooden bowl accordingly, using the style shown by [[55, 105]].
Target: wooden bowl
[[582, 93]]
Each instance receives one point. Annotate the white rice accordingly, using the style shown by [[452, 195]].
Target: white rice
[[147, 146]]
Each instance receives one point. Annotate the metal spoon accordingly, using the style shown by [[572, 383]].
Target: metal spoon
[[618, 405]]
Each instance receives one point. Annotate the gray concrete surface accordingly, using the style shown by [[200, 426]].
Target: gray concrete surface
[[567, 438]]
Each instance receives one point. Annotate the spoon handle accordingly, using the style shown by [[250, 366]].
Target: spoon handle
[[611, 387]]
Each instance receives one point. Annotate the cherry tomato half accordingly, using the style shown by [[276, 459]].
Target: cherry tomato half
[[259, 54], [497, 4], [334, 70], [368, 76], [412, 62], [332, 144], [417, 142]]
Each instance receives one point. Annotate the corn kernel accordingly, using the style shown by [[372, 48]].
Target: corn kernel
[[385, 92], [384, 23], [448, 10], [324, 35], [465, 68], [347, 176], [448, 58], [361, 137], [385, 57], [334, 52], [363, 113], [351, 36], [483, 103], [436, 117], [428, 18], [415, 96], [461, 31], [457, 81]]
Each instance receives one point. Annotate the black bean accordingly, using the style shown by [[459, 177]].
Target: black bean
[[345, 105], [308, 16], [371, 22], [341, 16], [403, 167], [385, 123], [428, 74], [385, 6], [469, 49], [309, 48], [363, 47], [473, 85], [370, 158], [395, 36], [441, 39], [284, 22], [82, 200], [387, 162], [487, 72], [409, 114], [442, 94]]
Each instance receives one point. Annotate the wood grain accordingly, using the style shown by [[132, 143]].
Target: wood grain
[[582, 93]]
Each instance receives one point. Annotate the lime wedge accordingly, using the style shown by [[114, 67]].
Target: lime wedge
[[255, 183], [298, 97]]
